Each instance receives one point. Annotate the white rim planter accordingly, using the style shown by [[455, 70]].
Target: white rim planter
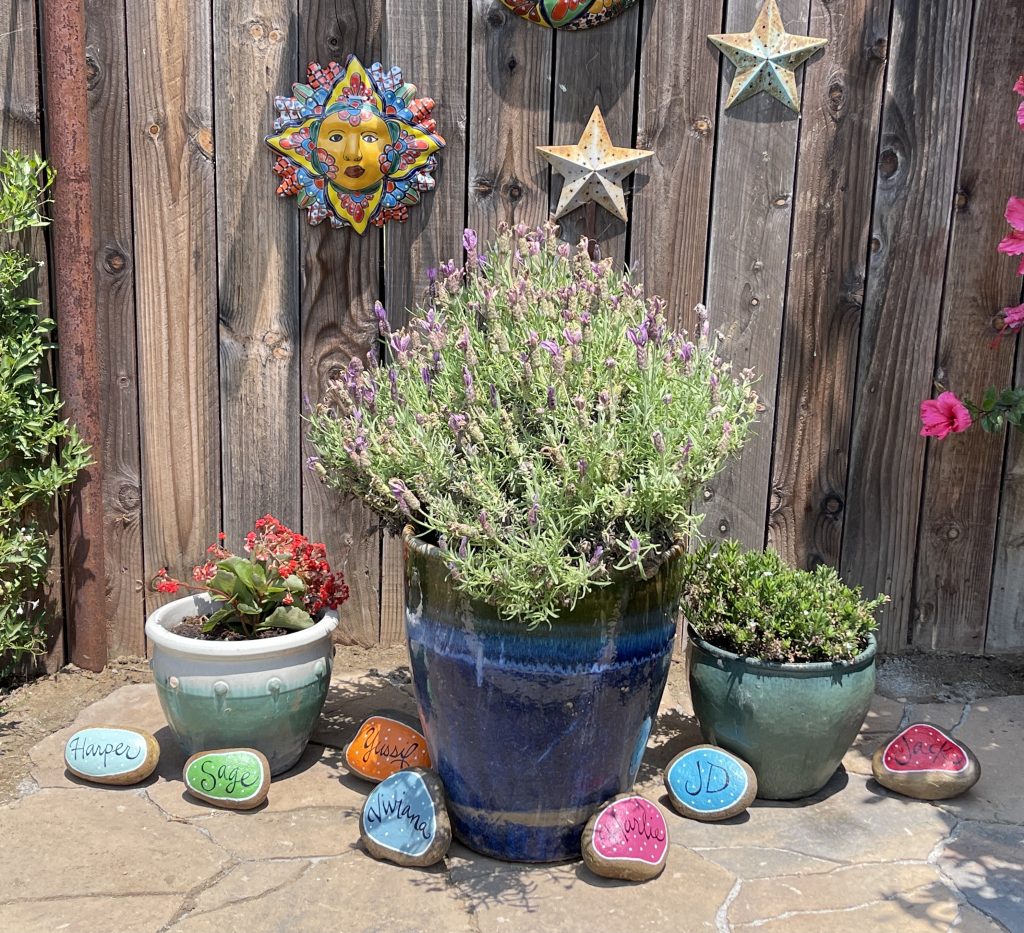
[[266, 693]]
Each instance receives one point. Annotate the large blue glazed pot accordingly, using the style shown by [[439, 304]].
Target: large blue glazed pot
[[532, 730], [792, 723]]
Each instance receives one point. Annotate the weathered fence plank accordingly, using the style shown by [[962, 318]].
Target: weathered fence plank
[[828, 266], [963, 474], [676, 120], [596, 69], [913, 198], [750, 227], [431, 47], [339, 284], [171, 138], [255, 51], [107, 51], [510, 103]]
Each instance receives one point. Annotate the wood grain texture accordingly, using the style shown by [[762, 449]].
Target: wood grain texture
[[828, 266], [747, 263], [21, 128], [338, 288], [676, 119], [431, 46], [510, 103], [171, 137], [106, 54], [596, 67], [255, 50], [963, 474], [1005, 631], [914, 190]]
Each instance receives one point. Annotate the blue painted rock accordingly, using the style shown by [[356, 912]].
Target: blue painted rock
[[627, 838], [708, 783], [111, 754], [926, 762], [235, 778], [384, 745], [404, 820]]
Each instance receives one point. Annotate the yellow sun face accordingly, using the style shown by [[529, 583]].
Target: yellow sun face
[[356, 150]]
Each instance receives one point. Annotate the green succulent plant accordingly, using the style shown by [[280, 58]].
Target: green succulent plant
[[753, 604]]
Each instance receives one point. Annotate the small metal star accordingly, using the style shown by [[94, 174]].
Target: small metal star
[[766, 58], [593, 169]]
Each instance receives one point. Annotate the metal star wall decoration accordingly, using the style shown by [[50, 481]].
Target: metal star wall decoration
[[766, 58], [593, 169]]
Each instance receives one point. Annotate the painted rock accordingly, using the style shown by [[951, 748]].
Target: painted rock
[[404, 820], [627, 838], [708, 783], [383, 746], [926, 762], [112, 755], [235, 778]]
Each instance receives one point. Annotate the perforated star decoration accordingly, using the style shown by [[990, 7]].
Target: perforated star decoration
[[766, 58], [593, 169]]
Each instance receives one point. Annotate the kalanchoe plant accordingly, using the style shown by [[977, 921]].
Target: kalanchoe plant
[[539, 420], [284, 583], [752, 604]]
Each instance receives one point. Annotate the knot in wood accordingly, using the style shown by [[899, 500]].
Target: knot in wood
[[836, 96], [483, 187], [514, 191], [92, 69], [129, 497], [888, 163], [832, 505], [114, 261], [495, 17], [963, 198], [512, 63], [701, 126], [880, 48]]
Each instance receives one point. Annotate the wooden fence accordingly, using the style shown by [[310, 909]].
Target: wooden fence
[[849, 254]]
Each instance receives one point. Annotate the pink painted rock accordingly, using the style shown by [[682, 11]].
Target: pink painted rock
[[627, 838], [926, 762]]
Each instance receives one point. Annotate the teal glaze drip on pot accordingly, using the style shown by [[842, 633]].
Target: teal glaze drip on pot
[[792, 723]]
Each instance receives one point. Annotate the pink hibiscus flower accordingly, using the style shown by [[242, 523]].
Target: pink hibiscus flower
[[1013, 243], [943, 416], [1019, 88]]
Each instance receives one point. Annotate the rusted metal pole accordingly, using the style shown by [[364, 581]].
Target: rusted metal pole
[[67, 134]]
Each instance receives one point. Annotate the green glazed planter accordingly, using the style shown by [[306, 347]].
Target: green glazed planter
[[792, 723]]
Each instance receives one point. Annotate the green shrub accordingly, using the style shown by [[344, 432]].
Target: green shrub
[[40, 454], [539, 420], [753, 604]]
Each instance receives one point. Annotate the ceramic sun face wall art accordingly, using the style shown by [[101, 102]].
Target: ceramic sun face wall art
[[568, 14], [355, 146]]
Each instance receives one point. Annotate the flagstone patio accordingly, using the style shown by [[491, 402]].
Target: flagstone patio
[[854, 858]]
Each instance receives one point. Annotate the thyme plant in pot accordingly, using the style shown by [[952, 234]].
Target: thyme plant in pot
[[246, 659], [539, 434], [781, 663]]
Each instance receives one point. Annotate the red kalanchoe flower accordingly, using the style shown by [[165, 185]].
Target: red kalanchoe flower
[[1013, 318], [1019, 88], [943, 416], [163, 583], [1013, 243]]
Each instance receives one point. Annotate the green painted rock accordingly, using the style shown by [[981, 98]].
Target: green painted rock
[[235, 778], [111, 755], [926, 762], [404, 820], [708, 784]]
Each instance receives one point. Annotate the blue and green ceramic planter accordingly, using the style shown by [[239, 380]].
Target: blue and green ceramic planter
[[265, 694], [792, 723], [532, 730]]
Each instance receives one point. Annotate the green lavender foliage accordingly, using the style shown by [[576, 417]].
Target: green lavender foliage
[[539, 421], [40, 454], [752, 604]]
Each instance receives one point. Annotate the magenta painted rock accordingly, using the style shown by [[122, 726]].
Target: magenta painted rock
[[627, 838], [926, 762]]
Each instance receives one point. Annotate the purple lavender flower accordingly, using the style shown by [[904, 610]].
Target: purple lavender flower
[[400, 344], [457, 422], [520, 230], [634, 549], [610, 363], [658, 439], [551, 397], [493, 391], [467, 381], [596, 556], [686, 352], [428, 379], [573, 336], [581, 465], [532, 339], [311, 464], [638, 335], [469, 240], [551, 346], [382, 318], [432, 275], [463, 342], [485, 523], [448, 268], [401, 493], [564, 250], [533, 515], [463, 547], [604, 398]]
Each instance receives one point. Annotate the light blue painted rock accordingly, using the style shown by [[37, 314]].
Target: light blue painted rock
[[404, 820], [708, 783], [111, 754]]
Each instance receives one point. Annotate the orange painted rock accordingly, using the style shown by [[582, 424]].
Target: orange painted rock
[[926, 762], [384, 746]]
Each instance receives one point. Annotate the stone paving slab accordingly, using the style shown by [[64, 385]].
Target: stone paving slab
[[855, 857]]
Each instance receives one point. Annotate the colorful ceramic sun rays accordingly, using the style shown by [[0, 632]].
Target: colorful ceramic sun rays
[[355, 146], [568, 14]]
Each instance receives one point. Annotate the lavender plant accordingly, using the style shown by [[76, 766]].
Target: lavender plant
[[537, 418]]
